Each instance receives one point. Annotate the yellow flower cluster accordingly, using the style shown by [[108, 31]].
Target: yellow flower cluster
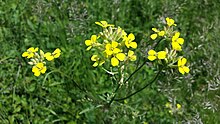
[[173, 108], [170, 53], [111, 45], [37, 59]]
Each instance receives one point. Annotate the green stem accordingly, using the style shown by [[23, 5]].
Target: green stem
[[148, 84]]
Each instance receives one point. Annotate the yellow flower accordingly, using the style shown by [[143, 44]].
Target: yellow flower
[[181, 66], [168, 105], [50, 56], [38, 69], [103, 24], [91, 43], [157, 32], [112, 48], [152, 55], [97, 61], [30, 52], [129, 41], [177, 42], [118, 57], [170, 22], [131, 55], [178, 106]]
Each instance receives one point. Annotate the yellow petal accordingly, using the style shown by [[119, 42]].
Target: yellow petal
[[93, 38], [184, 60], [116, 50], [155, 30], [108, 46], [49, 56], [153, 36], [25, 54], [176, 46], [151, 58], [133, 45], [43, 70], [178, 106], [130, 53], [114, 44], [95, 64], [98, 23], [186, 69], [179, 62], [36, 49], [34, 69], [151, 52], [180, 40], [40, 65], [161, 55], [94, 58], [181, 70], [56, 55], [133, 58], [88, 42], [31, 49], [114, 61], [161, 33], [37, 73], [89, 48], [131, 37], [30, 55], [121, 56], [101, 62], [127, 44]]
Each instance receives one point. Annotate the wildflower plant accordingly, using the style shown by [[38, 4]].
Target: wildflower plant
[[172, 48], [112, 46], [37, 59]]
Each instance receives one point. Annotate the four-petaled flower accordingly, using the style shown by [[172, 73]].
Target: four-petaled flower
[[177, 42], [129, 41], [30, 52], [152, 55], [97, 60], [38, 69], [157, 32], [50, 56], [112, 48], [170, 22], [131, 55], [116, 58], [181, 66], [103, 24], [92, 42]]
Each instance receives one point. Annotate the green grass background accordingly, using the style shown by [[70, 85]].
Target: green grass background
[[55, 97]]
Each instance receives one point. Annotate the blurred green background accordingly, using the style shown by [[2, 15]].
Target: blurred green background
[[66, 24]]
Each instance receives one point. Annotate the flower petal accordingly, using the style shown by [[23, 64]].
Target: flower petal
[[161, 55], [133, 45], [151, 58], [121, 56], [161, 33], [180, 40], [114, 44], [153, 36], [25, 54], [94, 58], [114, 61], [151, 52], [155, 30], [184, 60], [186, 69], [181, 70]]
